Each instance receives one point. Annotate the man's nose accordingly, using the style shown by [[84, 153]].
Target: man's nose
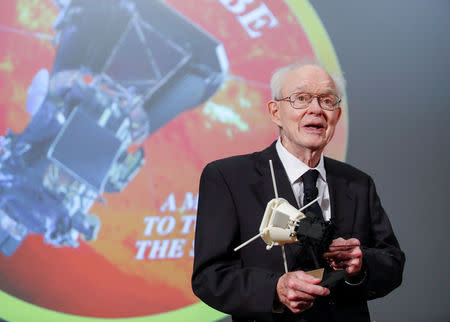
[[314, 106]]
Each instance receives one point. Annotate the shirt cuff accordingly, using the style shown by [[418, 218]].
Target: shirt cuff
[[358, 279]]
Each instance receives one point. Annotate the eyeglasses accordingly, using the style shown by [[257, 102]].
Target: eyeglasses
[[302, 100]]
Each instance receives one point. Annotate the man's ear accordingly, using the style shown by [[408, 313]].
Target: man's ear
[[274, 112], [340, 113]]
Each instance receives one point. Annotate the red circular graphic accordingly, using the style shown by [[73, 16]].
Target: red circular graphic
[[103, 278]]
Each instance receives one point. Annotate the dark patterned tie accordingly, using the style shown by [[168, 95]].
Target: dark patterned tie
[[310, 193], [313, 212]]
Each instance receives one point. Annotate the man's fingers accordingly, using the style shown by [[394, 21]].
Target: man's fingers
[[338, 265], [341, 243], [340, 255], [299, 287], [353, 262], [314, 290], [353, 241], [300, 306], [348, 257], [343, 264], [352, 266], [298, 295], [338, 241], [306, 287], [298, 290]]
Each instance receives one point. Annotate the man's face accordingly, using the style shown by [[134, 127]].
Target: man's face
[[308, 129]]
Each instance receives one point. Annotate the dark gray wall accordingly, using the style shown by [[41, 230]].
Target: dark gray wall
[[396, 59]]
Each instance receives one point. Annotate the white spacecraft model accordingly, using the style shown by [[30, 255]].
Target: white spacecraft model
[[280, 221]]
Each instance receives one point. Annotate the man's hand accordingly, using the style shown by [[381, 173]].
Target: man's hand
[[298, 290], [348, 258]]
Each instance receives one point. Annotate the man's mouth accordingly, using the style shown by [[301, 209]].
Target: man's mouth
[[314, 126]]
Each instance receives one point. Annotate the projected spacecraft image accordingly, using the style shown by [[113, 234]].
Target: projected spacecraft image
[[94, 105]]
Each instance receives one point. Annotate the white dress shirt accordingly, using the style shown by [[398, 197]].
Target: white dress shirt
[[295, 169]]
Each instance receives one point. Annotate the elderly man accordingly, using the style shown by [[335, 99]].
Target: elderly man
[[251, 284]]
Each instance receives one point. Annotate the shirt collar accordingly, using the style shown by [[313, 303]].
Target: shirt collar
[[296, 168]]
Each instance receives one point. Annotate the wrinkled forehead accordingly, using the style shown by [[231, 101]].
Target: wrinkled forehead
[[311, 79]]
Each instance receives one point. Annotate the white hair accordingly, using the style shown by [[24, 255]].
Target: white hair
[[276, 82]]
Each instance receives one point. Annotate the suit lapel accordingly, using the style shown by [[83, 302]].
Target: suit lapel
[[264, 187], [342, 201], [265, 192]]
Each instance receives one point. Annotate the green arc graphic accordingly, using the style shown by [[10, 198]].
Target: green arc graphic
[[16, 310]]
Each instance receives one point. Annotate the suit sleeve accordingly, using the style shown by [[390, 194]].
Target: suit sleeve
[[383, 258], [219, 278]]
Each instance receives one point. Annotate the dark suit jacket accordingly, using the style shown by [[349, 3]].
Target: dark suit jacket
[[233, 195]]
